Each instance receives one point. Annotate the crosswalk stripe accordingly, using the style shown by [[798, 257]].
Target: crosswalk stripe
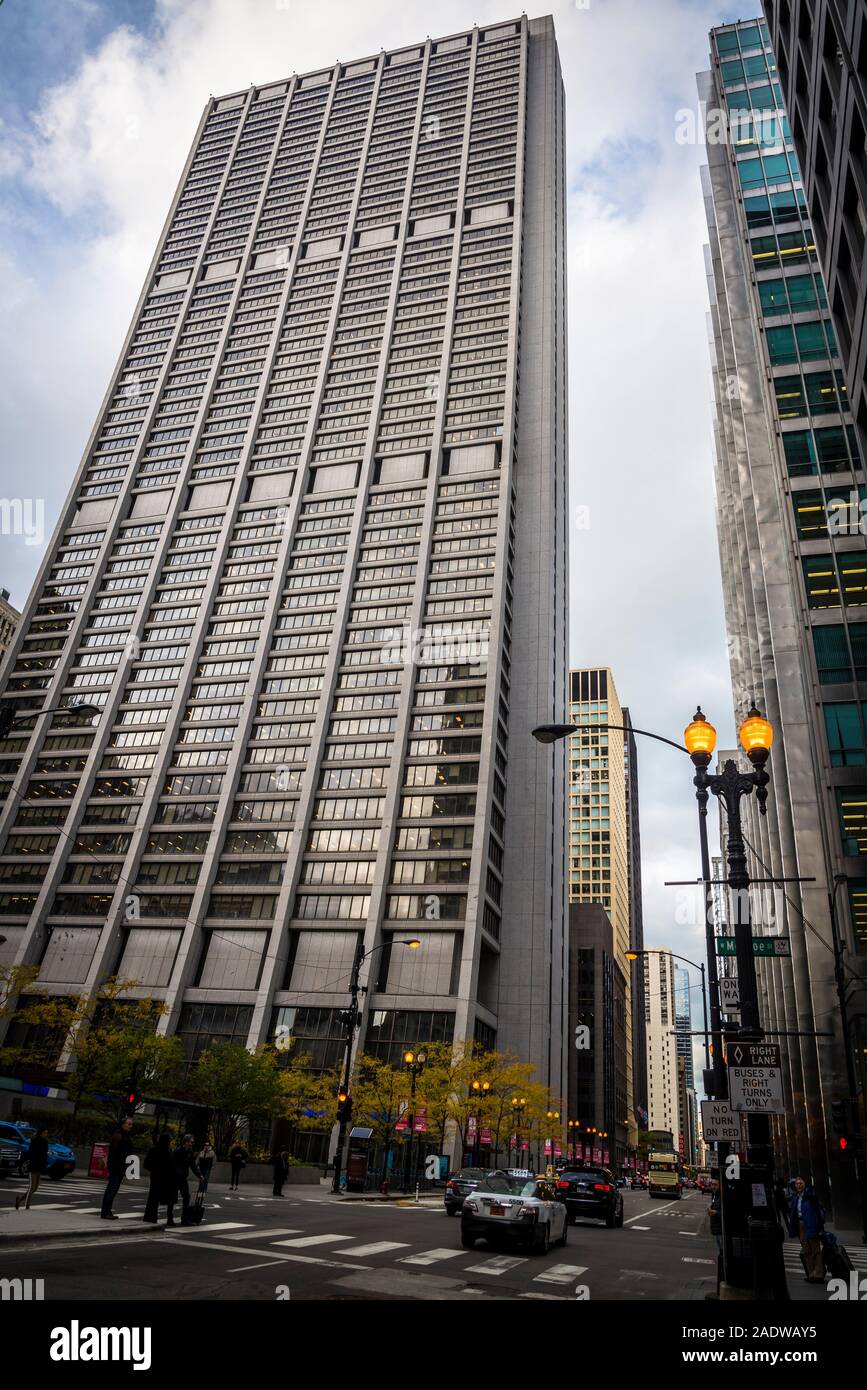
[[429, 1257], [498, 1264], [264, 1235], [377, 1248], [312, 1240], [223, 1226], [559, 1274]]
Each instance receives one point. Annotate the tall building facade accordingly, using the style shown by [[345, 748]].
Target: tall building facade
[[599, 840], [311, 570], [663, 1073], [9, 619], [683, 1031], [821, 53], [789, 479], [597, 1001]]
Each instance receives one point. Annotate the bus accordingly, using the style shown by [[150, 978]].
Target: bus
[[663, 1175]]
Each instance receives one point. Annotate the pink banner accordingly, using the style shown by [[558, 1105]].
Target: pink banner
[[547, 1146], [420, 1126], [597, 1155], [485, 1137]]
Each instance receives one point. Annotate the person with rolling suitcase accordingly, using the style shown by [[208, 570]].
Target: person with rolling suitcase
[[807, 1222]]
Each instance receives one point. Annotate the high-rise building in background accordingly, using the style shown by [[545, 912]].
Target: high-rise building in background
[[821, 53], [9, 620], [663, 1083], [597, 1001], [636, 924], [683, 1030], [789, 479], [600, 830], [312, 571]]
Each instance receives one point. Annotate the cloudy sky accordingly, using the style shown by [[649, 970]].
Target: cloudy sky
[[99, 100]]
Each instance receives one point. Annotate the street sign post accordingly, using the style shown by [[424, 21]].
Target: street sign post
[[729, 997], [762, 946], [755, 1079], [719, 1123]]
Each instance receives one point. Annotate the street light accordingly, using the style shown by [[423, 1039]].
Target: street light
[[518, 1107], [79, 710], [480, 1090], [759, 1261], [415, 1062], [352, 1018], [696, 965], [554, 1118]]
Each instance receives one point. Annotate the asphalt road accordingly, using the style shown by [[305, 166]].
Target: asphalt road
[[308, 1245]]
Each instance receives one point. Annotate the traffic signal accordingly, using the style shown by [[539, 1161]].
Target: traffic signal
[[132, 1097], [844, 1123], [344, 1106]]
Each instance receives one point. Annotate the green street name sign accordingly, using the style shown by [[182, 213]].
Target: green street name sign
[[762, 946]]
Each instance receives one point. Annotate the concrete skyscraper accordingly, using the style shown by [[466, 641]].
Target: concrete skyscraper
[[312, 571], [789, 483]]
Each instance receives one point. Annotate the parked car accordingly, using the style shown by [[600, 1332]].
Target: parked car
[[460, 1184], [591, 1192], [61, 1159], [521, 1211], [9, 1156]]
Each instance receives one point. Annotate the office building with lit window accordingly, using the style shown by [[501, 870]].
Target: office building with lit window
[[789, 483], [312, 572]]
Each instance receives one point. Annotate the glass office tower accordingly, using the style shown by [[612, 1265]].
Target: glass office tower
[[789, 481], [312, 571]]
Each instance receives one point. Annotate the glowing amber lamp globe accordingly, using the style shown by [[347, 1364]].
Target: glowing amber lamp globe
[[699, 736], [756, 735]]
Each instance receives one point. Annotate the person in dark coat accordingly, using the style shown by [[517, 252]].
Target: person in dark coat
[[205, 1161], [807, 1222], [37, 1158], [184, 1163], [280, 1164], [237, 1159], [162, 1190], [119, 1151]]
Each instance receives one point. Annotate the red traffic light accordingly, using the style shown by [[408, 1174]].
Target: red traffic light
[[844, 1142]]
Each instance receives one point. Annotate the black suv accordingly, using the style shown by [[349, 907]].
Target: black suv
[[463, 1182], [591, 1192]]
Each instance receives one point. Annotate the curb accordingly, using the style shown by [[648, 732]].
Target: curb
[[9, 1242]]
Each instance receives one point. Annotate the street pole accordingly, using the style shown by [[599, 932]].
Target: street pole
[[351, 1023]]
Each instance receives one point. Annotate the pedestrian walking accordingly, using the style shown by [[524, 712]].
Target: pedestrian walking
[[162, 1189], [184, 1163], [807, 1222], [280, 1164], [715, 1214], [237, 1160], [37, 1161], [118, 1152], [205, 1160]]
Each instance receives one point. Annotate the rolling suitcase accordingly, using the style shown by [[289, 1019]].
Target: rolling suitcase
[[836, 1259], [197, 1208]]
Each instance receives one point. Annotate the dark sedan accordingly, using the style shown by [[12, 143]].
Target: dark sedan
[[462, 1183], [591, 1192]]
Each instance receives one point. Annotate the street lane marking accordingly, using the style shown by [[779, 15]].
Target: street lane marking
[[560, 1274], [235, 1249], [687, 1233], [691, 1260], [377, 1248], [652, 1211], [499, 1264], [429, 1257], [261, 1235], [642, 1228], [313, 1240]]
